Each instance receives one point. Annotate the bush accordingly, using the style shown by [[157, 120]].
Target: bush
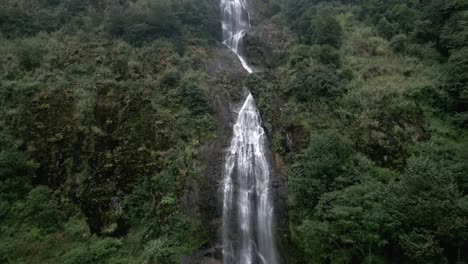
[[363, 42], [326, 30], [385, 28], [30, 54], [326, 54], [315, 83], [145, 21], [457, 85], [192, 96], [78, 255], [328, 164], [349, 225], [300, 55], [102, 249], [16, 173], [159, 251], [41, 209], [75, 6], [399, 42], [427, 190]]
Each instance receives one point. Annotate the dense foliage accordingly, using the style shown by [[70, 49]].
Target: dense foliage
[[369, 117], [104, 109]]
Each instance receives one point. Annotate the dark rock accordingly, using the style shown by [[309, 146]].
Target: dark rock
[[265, 43], [268, 44]]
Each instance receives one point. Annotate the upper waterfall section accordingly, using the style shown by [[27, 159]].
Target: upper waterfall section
[[236, 23]]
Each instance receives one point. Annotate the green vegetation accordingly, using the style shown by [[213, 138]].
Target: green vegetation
[[369, 115], [104, 109]]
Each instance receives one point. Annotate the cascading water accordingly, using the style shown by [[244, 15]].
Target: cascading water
[[235, 23], [247, 206]]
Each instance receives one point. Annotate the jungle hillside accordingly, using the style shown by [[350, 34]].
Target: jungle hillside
[[115, 116]]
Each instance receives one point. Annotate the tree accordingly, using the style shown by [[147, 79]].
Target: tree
[[454, 34], [349, 225], [316, 82], [326, 54], [457, 83], [326, 30], [16, 173], [328, 164], [437, 221], [40, 209], [387, 125], [399, 42], [385, 28], [298, 14], [192, 96]]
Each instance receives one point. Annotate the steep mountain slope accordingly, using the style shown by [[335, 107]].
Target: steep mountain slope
[[115, 117]]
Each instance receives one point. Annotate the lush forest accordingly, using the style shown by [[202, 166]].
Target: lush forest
[[105, 108], [102, 114], [369, 112]]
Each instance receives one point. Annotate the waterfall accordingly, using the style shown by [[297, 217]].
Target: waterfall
[[247, 207], [235, 23]]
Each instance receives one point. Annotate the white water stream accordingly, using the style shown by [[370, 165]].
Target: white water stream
[[247, 207]]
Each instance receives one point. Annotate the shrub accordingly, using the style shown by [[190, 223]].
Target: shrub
[[385, 28], [192, 96], [30, 54], [102, 249], [326, 30], [78, 255], [16, 173], [41, 209], [328, 164], [315, 83], [326, 54], [457, 85], [399, 42]]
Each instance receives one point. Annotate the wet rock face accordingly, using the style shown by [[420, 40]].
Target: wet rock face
[[264, 42], [225, 88], [268, 43], [223, 61]]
